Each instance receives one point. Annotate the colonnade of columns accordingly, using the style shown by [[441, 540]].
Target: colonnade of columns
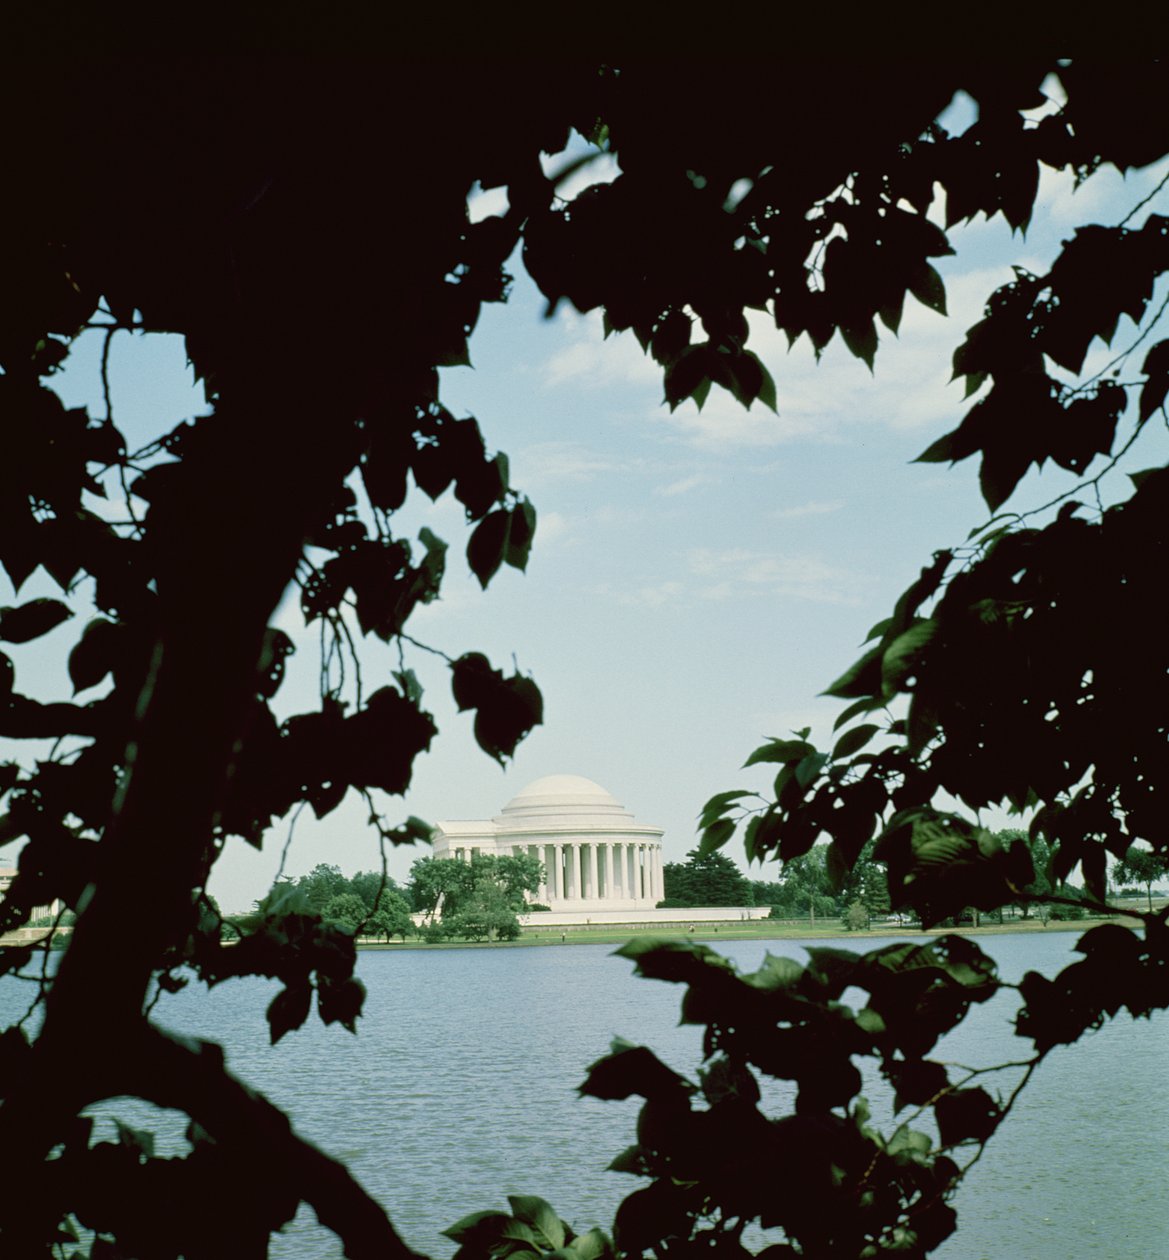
[[593, 870]]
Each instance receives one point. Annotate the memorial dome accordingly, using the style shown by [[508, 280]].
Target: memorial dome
[[563, 797]]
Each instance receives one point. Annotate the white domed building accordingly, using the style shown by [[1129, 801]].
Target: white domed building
[[596, 856]]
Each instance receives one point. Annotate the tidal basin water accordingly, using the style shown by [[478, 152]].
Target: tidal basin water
[[460, 1089]]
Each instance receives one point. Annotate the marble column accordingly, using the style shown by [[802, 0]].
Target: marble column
[[593, 892], [574, 856], [536, 851], [627, 871], [557, 873]]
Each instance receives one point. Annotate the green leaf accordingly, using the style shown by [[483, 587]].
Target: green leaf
[[767, 394], [411, 688], [810, 767], [909, 1141], [901, 657], [860, 679], [538, 1213], [31, 620], [488, 546], [779, 750], [864, 705], [716, 835], [591, 1245], [716, 806], [481, 1226], [520, 535], [631, 1160], [939, 452], [928, 287], [853, 741], [862, 341]]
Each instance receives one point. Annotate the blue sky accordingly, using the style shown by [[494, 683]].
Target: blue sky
[[697, 578]]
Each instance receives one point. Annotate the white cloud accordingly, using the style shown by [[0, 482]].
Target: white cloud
[[550, 526], [654, 595], [594, 361], [562, 461], [682, 486], [736, 572], [820, 507]]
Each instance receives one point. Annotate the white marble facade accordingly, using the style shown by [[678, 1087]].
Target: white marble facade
[[594, 853]]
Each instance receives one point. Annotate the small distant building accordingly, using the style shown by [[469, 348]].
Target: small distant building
[[596, 856]]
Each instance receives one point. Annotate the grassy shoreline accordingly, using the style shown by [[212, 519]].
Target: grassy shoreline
[[759, 930]]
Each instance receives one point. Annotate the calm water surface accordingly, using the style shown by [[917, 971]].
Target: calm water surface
[[460, 1089]]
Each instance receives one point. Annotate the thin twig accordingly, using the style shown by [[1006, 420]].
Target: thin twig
[[1140, 205], [425, 647], [288, 841]]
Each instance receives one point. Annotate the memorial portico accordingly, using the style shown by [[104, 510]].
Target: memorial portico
[[594, 853]]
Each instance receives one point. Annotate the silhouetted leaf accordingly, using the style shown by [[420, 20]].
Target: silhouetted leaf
[[521, 532], [488, 545], [1156, 370], [966, 1114], [289, 1009], [30, 621], [340, 1001]]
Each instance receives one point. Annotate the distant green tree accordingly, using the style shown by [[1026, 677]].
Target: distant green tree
[[367, 884], [322, 884], [486, 913], [480, 899], [866, 883], [518, 875], [855, 918], [1141, 866], [432, 878], [769, 893], [347, 911], [391, 918], [705, 879], [810, 883]]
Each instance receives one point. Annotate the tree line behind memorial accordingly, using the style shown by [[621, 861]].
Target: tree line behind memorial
[[483, 898]]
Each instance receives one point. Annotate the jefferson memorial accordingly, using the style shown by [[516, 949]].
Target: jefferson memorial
[[596, 856]]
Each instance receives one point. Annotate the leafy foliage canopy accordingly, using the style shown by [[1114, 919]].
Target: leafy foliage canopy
[[239, 199]]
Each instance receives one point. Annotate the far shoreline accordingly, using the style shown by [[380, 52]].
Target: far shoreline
[[759, 930]]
